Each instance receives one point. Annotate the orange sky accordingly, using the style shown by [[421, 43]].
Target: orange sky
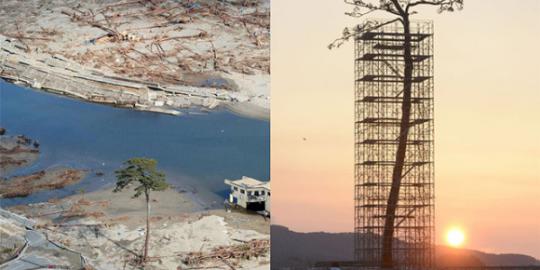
[[487, 110]]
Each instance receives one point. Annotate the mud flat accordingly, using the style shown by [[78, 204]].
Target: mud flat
[[108, 230], [16, 152], [148, 55], [20, 151], [24, 185]]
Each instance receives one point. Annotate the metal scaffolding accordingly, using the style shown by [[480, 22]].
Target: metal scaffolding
[[379, 68]]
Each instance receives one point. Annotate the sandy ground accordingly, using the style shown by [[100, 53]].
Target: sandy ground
[[108, 229], [202, 45], [106, 206], [249, 110]]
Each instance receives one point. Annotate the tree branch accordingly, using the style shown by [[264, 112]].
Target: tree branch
[[399, 8], [360, 29], [434, 3], [444, 5], [358, 14], [360, 4]]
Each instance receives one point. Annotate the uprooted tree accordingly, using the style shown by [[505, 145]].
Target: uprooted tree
[[399, 11], [143, 173]]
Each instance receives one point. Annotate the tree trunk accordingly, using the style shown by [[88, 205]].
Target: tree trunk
[[147, 239], [388, 234]]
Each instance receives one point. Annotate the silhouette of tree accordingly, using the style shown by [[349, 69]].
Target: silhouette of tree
[[400, 11]]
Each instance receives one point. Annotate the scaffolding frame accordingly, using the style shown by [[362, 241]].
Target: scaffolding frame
[[379, 65]]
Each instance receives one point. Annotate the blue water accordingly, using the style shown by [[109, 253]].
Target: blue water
[[196, 151]]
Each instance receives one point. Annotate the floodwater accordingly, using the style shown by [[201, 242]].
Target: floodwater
[[197, 151]]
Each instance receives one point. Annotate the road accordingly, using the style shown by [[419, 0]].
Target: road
[[39, 253]]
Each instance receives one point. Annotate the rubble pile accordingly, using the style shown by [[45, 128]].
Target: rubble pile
[[140, 54], [231, 255]]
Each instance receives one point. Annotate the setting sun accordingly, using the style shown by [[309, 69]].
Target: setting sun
[[455, 237]]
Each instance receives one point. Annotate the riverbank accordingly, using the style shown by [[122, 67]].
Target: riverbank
[[105, 229], [159, 57], [195, 151], [189, 228], [108, 230]]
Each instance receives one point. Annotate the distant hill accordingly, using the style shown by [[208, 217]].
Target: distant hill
[[299, 250]]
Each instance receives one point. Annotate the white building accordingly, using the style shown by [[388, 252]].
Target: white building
[[250, 194]]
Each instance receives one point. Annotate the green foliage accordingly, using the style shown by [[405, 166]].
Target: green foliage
[[143, 173]]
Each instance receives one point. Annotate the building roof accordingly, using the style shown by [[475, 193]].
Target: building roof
[[248, 182]]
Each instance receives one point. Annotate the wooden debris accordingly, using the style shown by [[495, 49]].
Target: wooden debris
[[150, 42], [230, 255]]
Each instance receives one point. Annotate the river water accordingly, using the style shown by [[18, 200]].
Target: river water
[[197, 151]]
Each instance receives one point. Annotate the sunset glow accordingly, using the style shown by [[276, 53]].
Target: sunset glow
[[476, 164], [455, 237]]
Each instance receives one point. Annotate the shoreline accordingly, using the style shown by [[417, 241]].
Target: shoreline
[[52, 75], [242, 109], [170, 56], [249, 110]]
